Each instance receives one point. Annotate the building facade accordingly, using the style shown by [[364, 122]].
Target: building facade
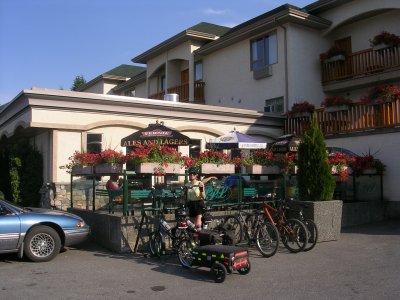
[[219, 78]]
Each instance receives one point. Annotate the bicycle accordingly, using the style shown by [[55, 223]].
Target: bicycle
[[292, 231], [257, 229], [164, 231], [311, 227]]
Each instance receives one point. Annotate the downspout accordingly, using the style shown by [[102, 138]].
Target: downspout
[[286, 64]]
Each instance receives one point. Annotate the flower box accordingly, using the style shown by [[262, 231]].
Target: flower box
[[336, 108], [217, 168], [369, 171], [151, 168], [81, 170], [108, 168], [259, 169], [381, 46], [303, 114], [334, 58]]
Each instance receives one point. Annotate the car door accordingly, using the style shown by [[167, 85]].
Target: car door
[[10, 229]]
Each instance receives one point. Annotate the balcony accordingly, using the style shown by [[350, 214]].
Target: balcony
[[183, 92], [361, 63], [357, 118]]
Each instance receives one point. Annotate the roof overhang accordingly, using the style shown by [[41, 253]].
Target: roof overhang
[[282, 15], [172, 42]]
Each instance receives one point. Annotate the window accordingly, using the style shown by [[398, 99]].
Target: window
[[264, 51], [198, 71], [274, 105], [93, 142], [194, 148], [162, 83]]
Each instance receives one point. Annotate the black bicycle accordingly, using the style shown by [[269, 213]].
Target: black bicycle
[[165, 235], [253, 228]]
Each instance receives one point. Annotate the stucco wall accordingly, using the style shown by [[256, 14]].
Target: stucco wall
[[229, 80]]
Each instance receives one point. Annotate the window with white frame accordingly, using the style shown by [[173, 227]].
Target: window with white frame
[[264, 51], [274, 105], [94, 142]]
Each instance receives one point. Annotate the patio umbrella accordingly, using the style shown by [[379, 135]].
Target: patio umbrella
[[236, 140], [156, 133], [285, 143]]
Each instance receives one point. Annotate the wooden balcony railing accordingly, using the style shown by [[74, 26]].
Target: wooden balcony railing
[[361, 63], [183, 92], [358, 117]]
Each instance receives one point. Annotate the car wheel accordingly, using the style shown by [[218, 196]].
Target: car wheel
[[42, 243]]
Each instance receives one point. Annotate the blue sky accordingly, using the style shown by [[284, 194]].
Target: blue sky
[[47, 43]]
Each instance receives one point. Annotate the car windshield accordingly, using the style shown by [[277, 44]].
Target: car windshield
[[15, 207]]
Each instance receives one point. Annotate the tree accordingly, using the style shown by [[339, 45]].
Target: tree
[[78, 82], [315, 178]]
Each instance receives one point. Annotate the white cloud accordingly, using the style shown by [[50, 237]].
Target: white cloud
[[211, 11]]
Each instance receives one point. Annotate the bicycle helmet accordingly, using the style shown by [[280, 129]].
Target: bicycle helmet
[[193, 170]]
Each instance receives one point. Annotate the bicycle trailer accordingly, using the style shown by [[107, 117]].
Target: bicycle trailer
[[222, 259]]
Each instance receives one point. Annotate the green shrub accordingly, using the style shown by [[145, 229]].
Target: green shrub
[[315, 179]]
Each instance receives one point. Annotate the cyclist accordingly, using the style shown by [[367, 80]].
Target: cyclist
[[195, 197]]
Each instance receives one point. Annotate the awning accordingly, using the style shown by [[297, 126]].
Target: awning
[[156, 133], [236, 140]]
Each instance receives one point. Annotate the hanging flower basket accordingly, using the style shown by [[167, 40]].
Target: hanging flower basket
[[259, 169], [217, 168], [107, 168]]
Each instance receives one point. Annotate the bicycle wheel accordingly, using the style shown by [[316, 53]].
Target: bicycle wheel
[[294, 235], [249, 221], [233, 223], [185, 255], [267, 239], [312, 231], [156, 243]]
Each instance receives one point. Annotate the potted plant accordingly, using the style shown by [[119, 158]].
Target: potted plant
[[384, 40], [335, 53], [81, 163], [155, 159], [367, 164], [301, 109], [110, 161], [316, 184], [382, 94], [214, 162], [336, 103], [339, 163], [261, 162]]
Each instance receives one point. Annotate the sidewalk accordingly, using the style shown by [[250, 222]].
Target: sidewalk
[[363, 264]]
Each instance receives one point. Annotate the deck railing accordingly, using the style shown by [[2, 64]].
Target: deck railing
[[183, 92], [358, 117], [361, 63]]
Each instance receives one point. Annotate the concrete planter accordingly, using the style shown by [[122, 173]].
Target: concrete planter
[[217, 168], [81, 170], [108, 168], [327, 215], [259, 169], [336, 108], [151, 168]]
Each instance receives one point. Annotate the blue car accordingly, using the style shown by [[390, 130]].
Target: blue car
[[38, 233]]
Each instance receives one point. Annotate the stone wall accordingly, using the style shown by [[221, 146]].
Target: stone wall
[[82, 195]]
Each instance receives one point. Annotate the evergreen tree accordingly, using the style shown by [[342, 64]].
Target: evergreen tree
[[78, 82], [315, 178]]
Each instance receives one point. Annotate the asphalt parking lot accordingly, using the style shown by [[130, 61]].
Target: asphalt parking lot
[[363, 264]]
